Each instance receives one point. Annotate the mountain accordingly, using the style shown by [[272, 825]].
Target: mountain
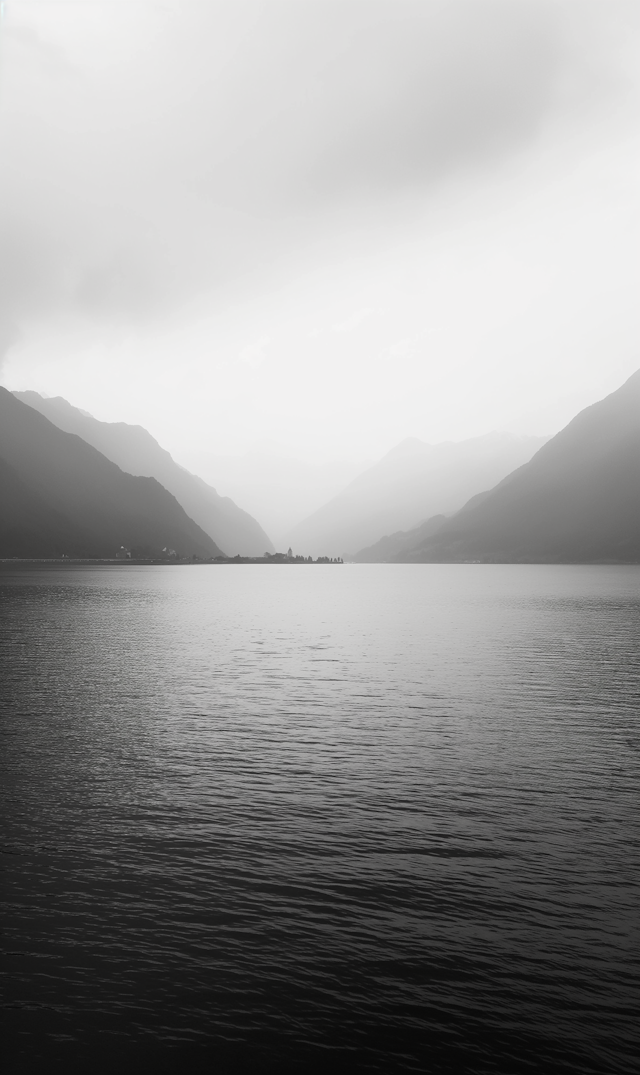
[[577, 500], [277, 484], [413, 482], [389, 547], [58, 495], [135, 451]]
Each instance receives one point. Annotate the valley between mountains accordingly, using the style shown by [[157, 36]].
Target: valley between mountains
[[71, 485]]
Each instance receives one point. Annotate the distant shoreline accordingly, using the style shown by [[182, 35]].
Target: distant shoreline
[[15, 562], [69, 561]]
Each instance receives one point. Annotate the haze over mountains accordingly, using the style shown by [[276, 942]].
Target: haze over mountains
[[413, 482], [389, 547], [136, 452], [577, 500], [279, 485], [60, 496]]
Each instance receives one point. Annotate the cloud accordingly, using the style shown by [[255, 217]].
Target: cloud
[[152, 152], [406, 93], [400, 350], [254, 354], [362, 98], [9, 335], [353, 321]]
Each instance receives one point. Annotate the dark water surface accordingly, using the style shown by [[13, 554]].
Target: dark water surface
[[377, 817]]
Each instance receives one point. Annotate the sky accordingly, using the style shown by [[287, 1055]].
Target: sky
[[318, 227]]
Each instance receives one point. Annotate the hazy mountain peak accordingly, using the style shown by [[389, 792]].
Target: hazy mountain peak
[[32, 398], [410, 484], [409, 446], [578, 499], [137, 452], [61, 495]]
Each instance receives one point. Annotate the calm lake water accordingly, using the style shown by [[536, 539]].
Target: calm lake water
[[367, 817]]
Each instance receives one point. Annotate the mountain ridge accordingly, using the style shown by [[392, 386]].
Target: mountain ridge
[[413, 482], [136, 451], [577, 500], [60, 496]]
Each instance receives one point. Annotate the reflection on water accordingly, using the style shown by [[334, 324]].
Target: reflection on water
[[378, 816]]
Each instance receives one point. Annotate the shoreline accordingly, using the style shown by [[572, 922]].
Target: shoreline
[[69, 561]]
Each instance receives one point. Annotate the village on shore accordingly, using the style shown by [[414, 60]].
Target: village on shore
[[171, 556]]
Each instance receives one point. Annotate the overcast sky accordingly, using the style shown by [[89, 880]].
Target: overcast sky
[[328, 223]]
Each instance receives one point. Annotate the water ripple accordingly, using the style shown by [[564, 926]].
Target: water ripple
[[377, 817]]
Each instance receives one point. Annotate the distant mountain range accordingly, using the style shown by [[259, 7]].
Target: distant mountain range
[[59, 495], [392, 546], [136, 452], [411, 484], [577, 500], [278, 485]]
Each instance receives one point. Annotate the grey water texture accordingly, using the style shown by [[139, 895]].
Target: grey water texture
[[371, 817]]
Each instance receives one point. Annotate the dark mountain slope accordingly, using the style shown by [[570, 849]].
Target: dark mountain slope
[[389, 547], [59, 495], [135, 451], [577, 500], [30, 527]]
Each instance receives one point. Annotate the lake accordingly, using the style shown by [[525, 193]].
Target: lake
[[368, 817]]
